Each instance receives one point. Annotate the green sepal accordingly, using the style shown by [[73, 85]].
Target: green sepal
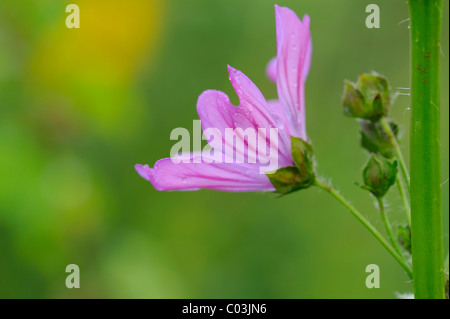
[[353, 101], [302, 155], [375, 87], [292, 178]]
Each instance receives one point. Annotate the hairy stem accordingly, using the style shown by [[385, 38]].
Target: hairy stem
[[387, 225], [366, 224], [426, 213], [401, 190], [398, 152]]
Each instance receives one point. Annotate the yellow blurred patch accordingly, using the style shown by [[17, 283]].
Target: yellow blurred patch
[[95, 65]]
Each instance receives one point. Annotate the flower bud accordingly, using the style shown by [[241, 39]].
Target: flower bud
[[292, 178], [404, 237], [288, 179], [367, 99], [375, 140], [379, 175]]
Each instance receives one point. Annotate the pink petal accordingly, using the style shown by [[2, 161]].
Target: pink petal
[[144, 171], [216, 111], [166, 175], [271, 69], [280, 117], [293, 60]]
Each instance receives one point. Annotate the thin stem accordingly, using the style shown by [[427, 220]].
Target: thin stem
[[397, 150], [366, 224], [387, 225], [426, 212], [405, 200]]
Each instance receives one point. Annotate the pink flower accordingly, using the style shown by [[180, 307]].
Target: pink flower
[[289, 70]]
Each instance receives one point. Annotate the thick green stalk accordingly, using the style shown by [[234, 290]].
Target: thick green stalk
[[366, 224], [426, 213]]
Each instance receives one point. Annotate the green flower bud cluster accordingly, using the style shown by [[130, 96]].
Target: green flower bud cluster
[[369, 101]]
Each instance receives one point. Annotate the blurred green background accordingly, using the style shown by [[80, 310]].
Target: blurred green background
[[80, 107]]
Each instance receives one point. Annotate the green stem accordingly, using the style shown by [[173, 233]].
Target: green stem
[[426, 213], [398, 152], [446, 265], [366, 224], [401, 190], [400, 183], [387, 225]]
